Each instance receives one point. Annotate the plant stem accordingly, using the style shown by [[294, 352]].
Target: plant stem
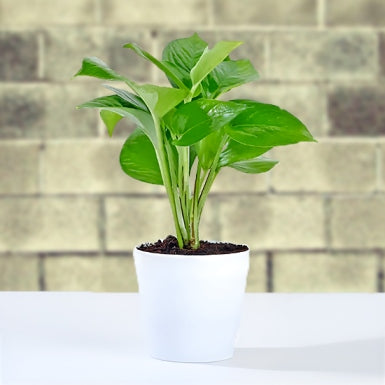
[[195, 218], [214, 170], [180, 221], [167, 173], [184, 189]]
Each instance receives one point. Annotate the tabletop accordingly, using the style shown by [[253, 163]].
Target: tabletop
[[77, 338]]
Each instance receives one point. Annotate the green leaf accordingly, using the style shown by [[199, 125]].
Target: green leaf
[[180, 73], [110, 119], [228, 75], [142, 119], [235, 152], [130, 98], [184, 53], [93, 66], [159, 100], [267, 125], [210, 59], [138, 159], [193, 121], [208, 147], [192, 157], [106, 101], [162, 66], [254, 166], [117, 106]]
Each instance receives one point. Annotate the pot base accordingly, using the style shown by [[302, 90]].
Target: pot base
[[193, 361]]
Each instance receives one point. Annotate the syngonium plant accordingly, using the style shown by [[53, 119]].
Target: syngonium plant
[[184, 134]]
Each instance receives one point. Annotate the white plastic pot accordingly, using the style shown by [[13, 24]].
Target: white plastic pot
[[191, 305]]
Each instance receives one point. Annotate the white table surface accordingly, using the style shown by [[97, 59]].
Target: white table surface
[[50, 338]]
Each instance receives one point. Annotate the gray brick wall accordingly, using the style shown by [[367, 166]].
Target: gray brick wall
[[69, 217]]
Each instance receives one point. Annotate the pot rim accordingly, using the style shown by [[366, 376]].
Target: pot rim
[[192, 256]]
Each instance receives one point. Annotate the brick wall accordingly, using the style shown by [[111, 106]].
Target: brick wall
[[69, 217]]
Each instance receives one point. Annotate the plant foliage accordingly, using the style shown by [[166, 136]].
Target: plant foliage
[[184, 134]]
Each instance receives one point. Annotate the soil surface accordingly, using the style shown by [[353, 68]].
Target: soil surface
[[170, 246]]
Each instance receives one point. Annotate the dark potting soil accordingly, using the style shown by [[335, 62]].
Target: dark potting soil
[[170, 246]]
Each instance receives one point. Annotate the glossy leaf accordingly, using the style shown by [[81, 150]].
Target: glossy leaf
[[211, 58], [93, 66], [193, 121], [168, 70], [228, 75], [130, 98], [267, 125], [235, 152], [138, 159], [254, 166], [110, 119]]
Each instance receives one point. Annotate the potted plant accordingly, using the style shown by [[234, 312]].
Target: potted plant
[[191, 290]]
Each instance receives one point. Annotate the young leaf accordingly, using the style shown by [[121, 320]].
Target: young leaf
[[117, 106], [159, 100], [180, 73], [142, 119], [210, 59], [228, 75], [254, 166], [235, 152], [138, 159], [133, 100], [193, 121], [208, 147], [107, 101], [93, 66], [184, 53], [165, 68], [267, 125], [192, 157], [110, 119]]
